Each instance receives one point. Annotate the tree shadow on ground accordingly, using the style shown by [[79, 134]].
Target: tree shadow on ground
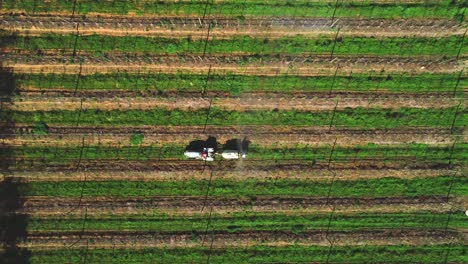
[[12, 223]]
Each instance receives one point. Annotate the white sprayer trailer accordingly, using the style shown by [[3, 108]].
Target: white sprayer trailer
[[233, 154], [208, 154]]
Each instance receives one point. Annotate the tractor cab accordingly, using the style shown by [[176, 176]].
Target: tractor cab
[[206, 154]]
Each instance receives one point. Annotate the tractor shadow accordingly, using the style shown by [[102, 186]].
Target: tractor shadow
[[241, 145], [198, 145]]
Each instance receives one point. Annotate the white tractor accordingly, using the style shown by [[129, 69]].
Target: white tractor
[[206, 154], [207, 149]]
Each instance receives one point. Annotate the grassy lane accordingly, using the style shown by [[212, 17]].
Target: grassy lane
[[250, 187], [260, 254], [238, 84], [252, 221], [449, 46], [361, 9], [421, 152], [355, 118]]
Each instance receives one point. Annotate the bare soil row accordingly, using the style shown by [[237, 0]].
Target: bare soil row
[[226, 130], [306, 65], [176, 27], [292, 60], [242, 103], [39, 164], [377, 93], [267, 136], [304, 174], [240, 239], [188, 206], [278, 140]]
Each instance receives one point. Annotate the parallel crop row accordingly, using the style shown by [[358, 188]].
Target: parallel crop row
[[250, 187], [444, 154], [449, 46], [356, 118], [366, 9], [261, 254], [236, 84], [86, 185], [252, 222]]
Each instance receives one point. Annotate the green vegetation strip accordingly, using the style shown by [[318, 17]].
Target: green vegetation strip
[[254, 221], [356, 118], [421, 152], [361, 9], [250, 187], [238, 84], [429, 254], [449, 46]]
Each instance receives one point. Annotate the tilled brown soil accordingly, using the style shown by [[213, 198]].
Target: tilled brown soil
[[247, 238], [225, 27], [225, 130], [336, 92], [263, 140], [242, 103], [267, 136], [312, 70], [301, 65], [305, 174], [400, 162], [179, 205], [290, 60]]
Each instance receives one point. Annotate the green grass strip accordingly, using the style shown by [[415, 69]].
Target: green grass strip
[[361, 9], [449, 46], [238, 84], [420, 152], [254, 221], [356, 118], [250, 187], [428, 254]]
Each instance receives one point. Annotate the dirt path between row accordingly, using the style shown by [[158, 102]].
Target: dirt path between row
[[260, 92], [311, 175], [303, 65], [187, 206], [312, 70], [195, 28], [242, 239], [225, 130], [225, 34], [262, 140], [264, 136], [291, 60], [397, 162], [244, 103]]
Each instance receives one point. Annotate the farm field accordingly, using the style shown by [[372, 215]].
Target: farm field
[[351, 113]]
